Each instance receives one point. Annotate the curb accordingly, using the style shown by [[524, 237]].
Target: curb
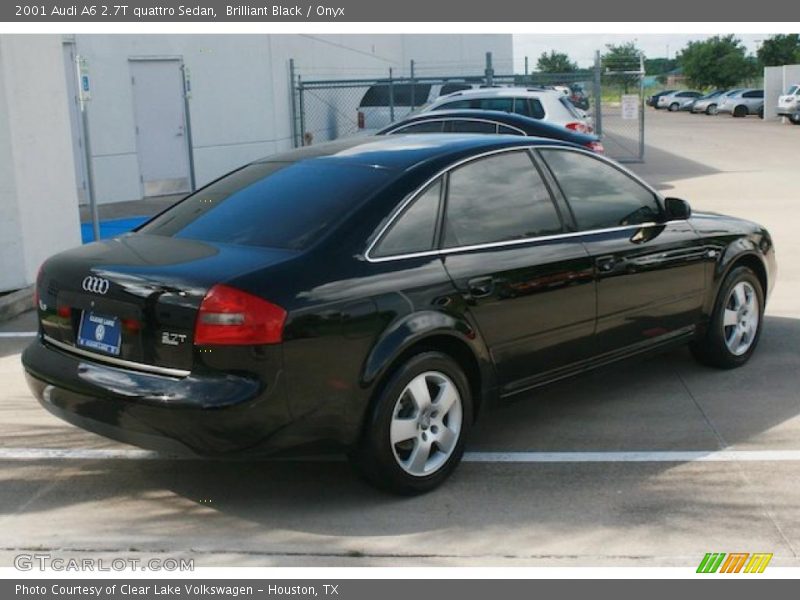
[[16, 303]]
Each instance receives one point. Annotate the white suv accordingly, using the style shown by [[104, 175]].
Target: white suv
[[548, 105], [789, 103]]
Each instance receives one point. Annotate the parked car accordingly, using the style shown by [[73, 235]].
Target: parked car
[[381, 293], [490, 122], [708, 104], [795, 117], [536, 103], [653, 100], [742, 103], [380, 102], [680, 100], [579, 98], [789, 103]]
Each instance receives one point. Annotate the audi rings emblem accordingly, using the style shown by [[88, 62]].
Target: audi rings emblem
[[96, 285]]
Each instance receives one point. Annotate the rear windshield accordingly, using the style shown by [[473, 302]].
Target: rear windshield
[[378, 95], [276, 205]]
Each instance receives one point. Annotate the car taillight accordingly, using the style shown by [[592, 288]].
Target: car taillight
[[360, 120], [231, 317], [578, 126], [596, 147]]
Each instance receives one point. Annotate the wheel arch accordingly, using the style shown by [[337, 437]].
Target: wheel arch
[[731, 260], [432, 331]]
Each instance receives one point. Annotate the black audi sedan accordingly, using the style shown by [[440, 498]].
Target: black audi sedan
[[490, 122], [380, 293]]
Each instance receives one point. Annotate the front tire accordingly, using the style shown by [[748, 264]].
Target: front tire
[[414, 434], [674, 107], [735, 326], [795, 118], [712, 109]]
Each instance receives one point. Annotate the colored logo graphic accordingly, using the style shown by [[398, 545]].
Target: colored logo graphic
[[735, 562]]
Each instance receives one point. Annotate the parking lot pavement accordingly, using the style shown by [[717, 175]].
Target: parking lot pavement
[[657, 509]]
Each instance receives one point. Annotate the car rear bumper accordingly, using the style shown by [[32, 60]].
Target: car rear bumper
[[210, 415]]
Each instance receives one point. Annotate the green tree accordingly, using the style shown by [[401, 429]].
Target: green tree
[[719, 62], [619, 62], [555, 62], [780, 50], [659, 66]]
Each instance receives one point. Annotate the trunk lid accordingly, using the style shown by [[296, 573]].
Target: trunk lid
[[135, 298]]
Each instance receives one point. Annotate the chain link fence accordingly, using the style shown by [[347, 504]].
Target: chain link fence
[[611, 94]]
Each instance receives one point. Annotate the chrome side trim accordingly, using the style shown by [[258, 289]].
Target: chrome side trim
[[117, 362], [541, 238], [522, 147]]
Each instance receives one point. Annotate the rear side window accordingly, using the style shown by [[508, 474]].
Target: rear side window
[[754, 94], [600, 195], [415, 228], [424, 127], [276, 205], [496, 199], [379, 94], [508, 130], [457, 104], [529, 107], [467, 126]]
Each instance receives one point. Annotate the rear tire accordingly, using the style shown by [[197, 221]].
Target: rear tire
[[414, 433], [740, 111], [735, 325]]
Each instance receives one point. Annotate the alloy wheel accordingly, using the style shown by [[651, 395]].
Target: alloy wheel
[[426, 423], [741, 318]]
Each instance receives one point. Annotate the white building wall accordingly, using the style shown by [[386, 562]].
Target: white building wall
[[38, 199], [240, 104]]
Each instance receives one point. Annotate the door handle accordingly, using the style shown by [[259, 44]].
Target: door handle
[[480, 287]]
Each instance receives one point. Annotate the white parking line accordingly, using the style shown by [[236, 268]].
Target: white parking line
[[17, 334], [474, 457]]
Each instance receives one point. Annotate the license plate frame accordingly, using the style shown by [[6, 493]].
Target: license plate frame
[[107, 340]]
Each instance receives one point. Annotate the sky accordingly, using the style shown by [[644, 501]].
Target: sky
[[581, 47]]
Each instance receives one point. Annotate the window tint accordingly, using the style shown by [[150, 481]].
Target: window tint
[[502, 104], [529, 107], [414, 230], [424, 127], [498, 198], [508, 130], [600, 195], [458, 104], [278, 205], [754, 94], [466, 126], [378, 95], [450, 88], [795, 89]]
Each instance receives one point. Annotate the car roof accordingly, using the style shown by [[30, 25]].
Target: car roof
[[503, 117], [501, 91], [400, 152]]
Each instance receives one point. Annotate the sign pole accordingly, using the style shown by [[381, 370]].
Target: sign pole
[[85, 95]]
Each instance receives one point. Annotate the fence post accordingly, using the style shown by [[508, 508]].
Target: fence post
[[391, 96], [302, 140], [293, 92], [598, 104], [413, 87], [489, 72], [526, 67], [641, 106]]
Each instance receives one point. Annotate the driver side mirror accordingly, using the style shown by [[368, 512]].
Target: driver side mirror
[[677, 209]]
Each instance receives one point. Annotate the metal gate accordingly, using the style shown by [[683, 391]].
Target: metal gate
[[611, 93]]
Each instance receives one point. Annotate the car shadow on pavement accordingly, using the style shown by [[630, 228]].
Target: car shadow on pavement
[[660, 168]]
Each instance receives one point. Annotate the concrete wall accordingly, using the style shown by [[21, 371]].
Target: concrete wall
[[38, 201], [241, 103], [776, 81]]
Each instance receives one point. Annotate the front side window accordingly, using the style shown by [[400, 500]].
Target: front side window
[[415, 228], [600, 195], [497, 199]]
